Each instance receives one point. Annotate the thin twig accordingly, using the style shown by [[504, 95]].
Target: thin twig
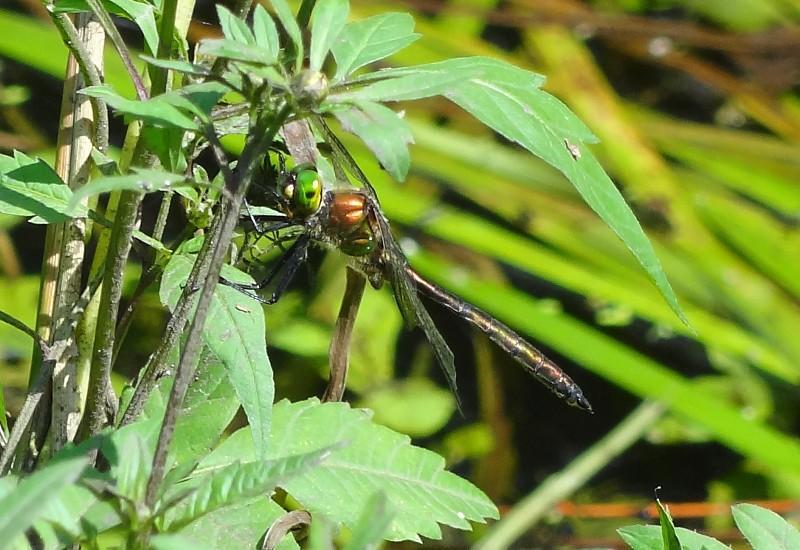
[[259, 138], [119, 247], [113, 34], [558, 486], [16, 323]]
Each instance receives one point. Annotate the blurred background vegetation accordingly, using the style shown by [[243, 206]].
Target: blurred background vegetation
[[696, 106]]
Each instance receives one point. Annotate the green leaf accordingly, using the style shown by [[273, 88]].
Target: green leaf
[[29, 187], [155, 110], [289, 23], [229, 49], [237, 482], [648, 537], [76, 513], [28, 501], [371, 526], [414, 406], [368, 40], [235, 332], [239, 526], [386, 133], [266, 34], [417, 487], [177, 65], [320, 535], [179, 542], [208, 408], [233, 27], [764, 529], [668, 536], [144, 180], [198, 99], [327, 21], [508, 100]]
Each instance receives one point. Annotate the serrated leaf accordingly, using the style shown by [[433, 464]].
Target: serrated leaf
[[385, 132], [238, 526], [369, 40], [144, 180], [289, 23], [235, 332], [155, 110], [27, 501], [764, 529], [233, 27], [327, 21], [29, 187], [508, 100], [265, 32], [419, 490], [236, 482], [229, 49]]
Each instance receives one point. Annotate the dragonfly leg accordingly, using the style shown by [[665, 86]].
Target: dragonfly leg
[[287, 266]]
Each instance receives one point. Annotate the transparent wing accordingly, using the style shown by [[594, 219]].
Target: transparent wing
[[405, 294], [394, 262]]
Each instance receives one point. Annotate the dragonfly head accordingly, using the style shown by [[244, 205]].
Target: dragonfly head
[[301, 188]]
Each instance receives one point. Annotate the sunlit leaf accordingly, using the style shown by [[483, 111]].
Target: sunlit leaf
[[327, 21], [418, 489], [289, 23], [266, 34], [234, 330], [385, 132], [372, 39], [233, 27], [155, 110], [30, 187], [764, 529]]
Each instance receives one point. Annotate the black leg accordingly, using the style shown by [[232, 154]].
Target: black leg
[[288, 264]]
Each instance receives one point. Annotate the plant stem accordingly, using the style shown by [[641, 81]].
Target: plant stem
[[558, 486], [340, 343], [120, 244], [259, 138], [77, 48]]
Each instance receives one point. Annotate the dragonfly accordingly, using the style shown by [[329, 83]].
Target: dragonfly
[[349, 218]]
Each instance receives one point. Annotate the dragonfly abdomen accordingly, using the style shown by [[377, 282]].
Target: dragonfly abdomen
[[534, 361]]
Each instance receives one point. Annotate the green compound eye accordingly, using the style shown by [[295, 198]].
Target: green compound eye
[[307, 191]]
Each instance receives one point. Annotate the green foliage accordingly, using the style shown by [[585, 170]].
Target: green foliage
[[363, 481]]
